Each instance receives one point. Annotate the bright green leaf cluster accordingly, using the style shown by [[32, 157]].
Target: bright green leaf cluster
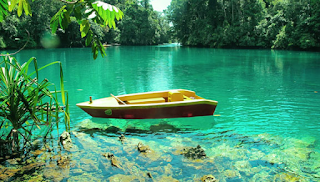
[[81, 10], [107, 13], [62, 18], [3, 9], [23, 5]]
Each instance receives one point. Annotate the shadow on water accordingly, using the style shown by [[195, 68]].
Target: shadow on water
[[156, 128], [120, 126], [146, 126]]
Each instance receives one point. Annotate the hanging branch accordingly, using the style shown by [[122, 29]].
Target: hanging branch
[[69, 2], [3, 55]]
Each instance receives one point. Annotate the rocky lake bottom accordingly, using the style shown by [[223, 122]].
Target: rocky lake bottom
[[164, 152]]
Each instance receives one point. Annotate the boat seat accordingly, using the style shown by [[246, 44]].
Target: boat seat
[[147, 101], [188, 98], [174, 96]]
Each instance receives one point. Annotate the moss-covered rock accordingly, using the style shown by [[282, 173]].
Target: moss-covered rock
[[193, 152], [208, 178]]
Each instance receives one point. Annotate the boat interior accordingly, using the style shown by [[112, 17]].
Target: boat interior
[[157, 97]]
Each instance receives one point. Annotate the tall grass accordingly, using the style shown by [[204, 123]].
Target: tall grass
[[27, 104]]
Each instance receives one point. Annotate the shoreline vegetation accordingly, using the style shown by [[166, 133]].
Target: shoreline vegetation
[[29, 108], [268, 24]]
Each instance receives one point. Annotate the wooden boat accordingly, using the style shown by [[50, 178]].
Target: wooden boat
[[160, 104]]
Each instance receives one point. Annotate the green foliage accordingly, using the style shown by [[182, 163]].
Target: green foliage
[[2, 43], [278, 24], [23, 5], [26, 103], [62, 18], [80, 24], [3, 9], [98, 12], [142, 25], [81, 11]]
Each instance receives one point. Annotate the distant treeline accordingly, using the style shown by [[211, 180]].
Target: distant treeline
[[141, 25], [279, 24]]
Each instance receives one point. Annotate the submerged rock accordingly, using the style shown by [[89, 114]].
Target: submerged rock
[[122, 138], [63, 161], [65, 140], [143, 148], [149, 175], [208, 178], [286, 177], [114, 161], [194, 152]]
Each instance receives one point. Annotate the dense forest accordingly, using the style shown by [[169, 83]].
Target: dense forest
[[141, 25], [277, 24]]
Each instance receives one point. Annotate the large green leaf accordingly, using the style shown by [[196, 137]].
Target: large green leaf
[[3, 9], [84, 28], [56, 19], [89, 37], [24, 5]]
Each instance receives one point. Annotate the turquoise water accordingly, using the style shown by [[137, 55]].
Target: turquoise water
[[266, 125]]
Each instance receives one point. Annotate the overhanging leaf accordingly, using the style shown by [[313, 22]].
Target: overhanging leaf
[[89, 38], [26, 7], [20, 7], [13, 4], [107, 12], [84, 28], [56, 19]]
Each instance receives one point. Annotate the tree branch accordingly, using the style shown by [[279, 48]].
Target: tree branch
[[3, 55], [70, 2]]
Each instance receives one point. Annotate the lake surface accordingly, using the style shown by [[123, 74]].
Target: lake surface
[[266, 126]]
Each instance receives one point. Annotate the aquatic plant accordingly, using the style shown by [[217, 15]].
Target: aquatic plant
[[27, 106]]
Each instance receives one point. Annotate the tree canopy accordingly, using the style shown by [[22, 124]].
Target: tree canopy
[[277, 24], [82, 12], [71, 21], [282, 24]]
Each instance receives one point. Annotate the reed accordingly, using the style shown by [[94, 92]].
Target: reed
[[27, 105]]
